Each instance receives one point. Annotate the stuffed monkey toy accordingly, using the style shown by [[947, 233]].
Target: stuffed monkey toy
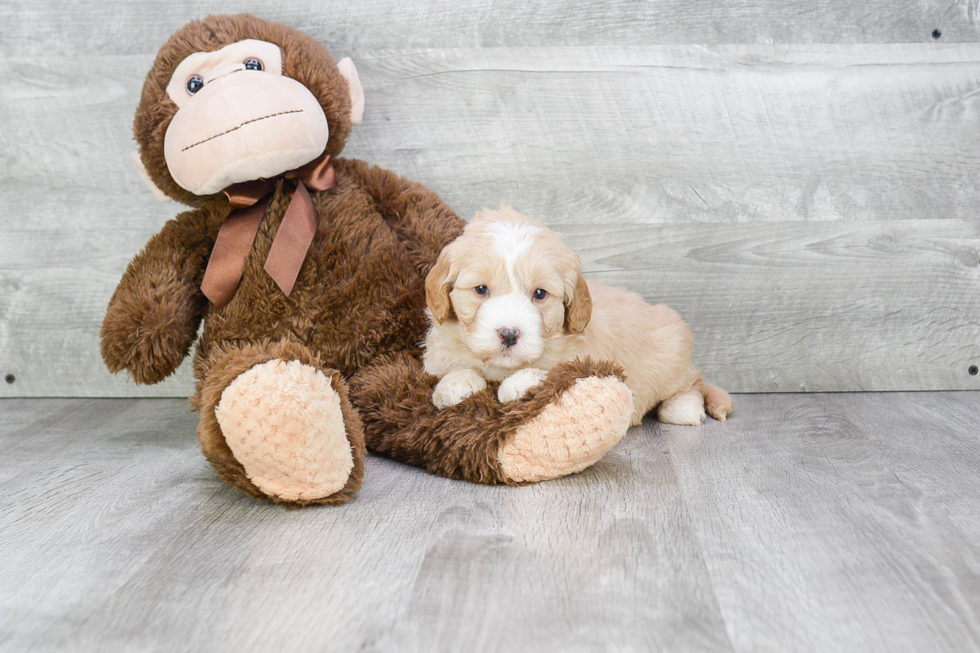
[[308, 273]]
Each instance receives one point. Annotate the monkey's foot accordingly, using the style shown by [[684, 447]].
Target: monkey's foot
[[283, 422], [572, 433]]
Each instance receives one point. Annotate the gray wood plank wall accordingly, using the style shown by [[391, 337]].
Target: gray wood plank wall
[[799, 180]]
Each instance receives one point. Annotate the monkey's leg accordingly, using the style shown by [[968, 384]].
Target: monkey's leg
[[565, 424], [278, 425]]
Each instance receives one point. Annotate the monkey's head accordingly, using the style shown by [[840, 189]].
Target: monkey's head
[[236, 98]]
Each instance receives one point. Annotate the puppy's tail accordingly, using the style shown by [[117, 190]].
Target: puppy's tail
[[717, 402]]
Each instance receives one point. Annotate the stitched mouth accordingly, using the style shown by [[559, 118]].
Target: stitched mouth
[[247, 122]]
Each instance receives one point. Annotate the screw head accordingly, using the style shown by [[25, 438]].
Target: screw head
[[936, 33], [10, 378], [973, 370]]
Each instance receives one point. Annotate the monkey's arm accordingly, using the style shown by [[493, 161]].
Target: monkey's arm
[[153, 316], [423, 222]]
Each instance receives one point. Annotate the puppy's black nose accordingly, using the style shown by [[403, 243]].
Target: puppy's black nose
[[509, 336]]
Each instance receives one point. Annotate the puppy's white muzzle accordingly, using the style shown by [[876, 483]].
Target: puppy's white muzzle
[[510, 311]]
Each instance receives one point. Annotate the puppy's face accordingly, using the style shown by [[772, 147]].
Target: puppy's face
[[512, 285]]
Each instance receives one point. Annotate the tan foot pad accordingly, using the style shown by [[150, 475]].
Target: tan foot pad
[[570, 434], [282, 421]]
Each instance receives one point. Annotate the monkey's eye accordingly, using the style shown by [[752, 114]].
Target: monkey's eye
[[194, 84], [482, 290], [540, 294], [254, 63]]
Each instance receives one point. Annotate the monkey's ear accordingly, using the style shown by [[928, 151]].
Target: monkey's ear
[[349, 72], [145, 176]]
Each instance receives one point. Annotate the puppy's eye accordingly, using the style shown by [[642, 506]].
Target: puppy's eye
[[194, 84], [540, 294], [482, 290], [254, 63]]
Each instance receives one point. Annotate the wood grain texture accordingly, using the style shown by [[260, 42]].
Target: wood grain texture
[[55, 27], [829, 306], [824, 517], [686, 133], [117, 536], [810, 209], [830, 522]]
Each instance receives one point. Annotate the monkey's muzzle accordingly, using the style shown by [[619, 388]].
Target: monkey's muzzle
[[243, 126]]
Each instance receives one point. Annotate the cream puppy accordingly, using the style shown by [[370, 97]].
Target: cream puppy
[[507, 302]]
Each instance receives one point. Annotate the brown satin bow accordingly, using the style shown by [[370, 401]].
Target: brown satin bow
[[292, 241]]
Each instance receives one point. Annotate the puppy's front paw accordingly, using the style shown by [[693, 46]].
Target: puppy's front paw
[[457, 386], [515, 385]]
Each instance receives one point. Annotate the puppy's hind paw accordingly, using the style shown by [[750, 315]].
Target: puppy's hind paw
[[685, 409], [457, 386], [515, 385]]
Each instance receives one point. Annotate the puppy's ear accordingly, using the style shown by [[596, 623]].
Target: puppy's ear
[[578, 307], [437, 287]]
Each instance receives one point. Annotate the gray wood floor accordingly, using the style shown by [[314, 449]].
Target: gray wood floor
[[844, 522]]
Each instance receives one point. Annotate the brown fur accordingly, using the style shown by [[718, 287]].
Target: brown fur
[[401, 422], [356, 310]]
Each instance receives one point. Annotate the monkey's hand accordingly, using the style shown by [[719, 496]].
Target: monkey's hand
[[154, 314]]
